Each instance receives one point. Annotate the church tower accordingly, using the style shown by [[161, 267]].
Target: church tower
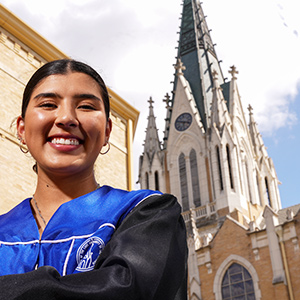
[[210, 159]]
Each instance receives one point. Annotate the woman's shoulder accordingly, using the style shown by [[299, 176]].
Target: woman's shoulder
[[18, 220], [16, 211], [134, 196]]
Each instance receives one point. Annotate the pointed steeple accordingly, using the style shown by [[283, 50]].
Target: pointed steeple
[[257, 142], [152, 144], [219, 110], [198, 55], [233, 103]]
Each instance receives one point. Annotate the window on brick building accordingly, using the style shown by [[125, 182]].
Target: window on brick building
[[237, 284]]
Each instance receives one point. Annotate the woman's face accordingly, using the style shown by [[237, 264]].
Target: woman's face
[[65, 125]]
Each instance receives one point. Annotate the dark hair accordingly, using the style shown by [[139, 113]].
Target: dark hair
[[63, 66]]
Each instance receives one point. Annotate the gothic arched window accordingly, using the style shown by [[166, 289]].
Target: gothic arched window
[[147, 180], [268, 191], [195, 178], [229, 166], [156, 178], [258, 188], [220, 168], [248, 182], [237, 283], [183, 183]]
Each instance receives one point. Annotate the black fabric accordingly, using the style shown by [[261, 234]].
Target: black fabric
[[145, 259]]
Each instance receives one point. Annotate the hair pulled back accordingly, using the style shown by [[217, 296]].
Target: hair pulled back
[[62, 67]]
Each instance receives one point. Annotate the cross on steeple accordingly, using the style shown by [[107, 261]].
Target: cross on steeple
[[233, 71], [150, 102]]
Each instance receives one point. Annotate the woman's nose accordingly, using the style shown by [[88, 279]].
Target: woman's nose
[[66, 117]]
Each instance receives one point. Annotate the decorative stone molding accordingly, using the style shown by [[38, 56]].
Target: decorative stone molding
[[256, 254], [209, 269], [296, 244]]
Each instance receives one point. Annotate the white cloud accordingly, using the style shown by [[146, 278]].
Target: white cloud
[[253, 36]]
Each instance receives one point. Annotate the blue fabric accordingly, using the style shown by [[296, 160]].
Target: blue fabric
[[73, 238]]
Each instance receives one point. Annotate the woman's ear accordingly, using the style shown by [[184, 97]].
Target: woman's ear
[[21, 129], [108, 129]]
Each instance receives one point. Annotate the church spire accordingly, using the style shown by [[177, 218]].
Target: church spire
[[257, 141], [152, 144], [197, 53]]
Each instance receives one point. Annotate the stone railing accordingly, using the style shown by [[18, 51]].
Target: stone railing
[[201, 211]]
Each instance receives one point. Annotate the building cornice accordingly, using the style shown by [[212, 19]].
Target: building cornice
[[123, 108]]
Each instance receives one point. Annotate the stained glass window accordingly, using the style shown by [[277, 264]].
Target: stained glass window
[[237, 284]]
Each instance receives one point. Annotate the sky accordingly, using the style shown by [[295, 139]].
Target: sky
[[132, 44]]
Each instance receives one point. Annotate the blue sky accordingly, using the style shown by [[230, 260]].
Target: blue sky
[[283, 147], [132, 44]]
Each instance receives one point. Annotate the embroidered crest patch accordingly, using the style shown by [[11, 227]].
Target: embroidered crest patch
[[88, 253]]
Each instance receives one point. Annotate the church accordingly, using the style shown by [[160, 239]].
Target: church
[[242, 244]]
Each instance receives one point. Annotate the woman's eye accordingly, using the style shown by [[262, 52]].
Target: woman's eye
[[86, 107], [48, 105]]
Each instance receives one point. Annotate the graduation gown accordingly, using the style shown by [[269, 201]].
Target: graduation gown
[[109, 244]]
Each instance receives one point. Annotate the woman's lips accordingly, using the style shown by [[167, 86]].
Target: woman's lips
[[65, 143]]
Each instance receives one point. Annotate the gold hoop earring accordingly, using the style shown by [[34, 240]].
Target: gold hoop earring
[[102, 153], [22, 147]]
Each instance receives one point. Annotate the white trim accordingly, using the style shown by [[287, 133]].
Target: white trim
[[223, 268], [67, 258], [57, 241], [156, 194], [19, 243], [76, 236]]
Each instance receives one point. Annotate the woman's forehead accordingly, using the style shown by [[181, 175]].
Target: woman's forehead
[[72, 81]]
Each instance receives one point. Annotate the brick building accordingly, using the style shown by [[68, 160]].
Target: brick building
[[242, 245], [22, 51]]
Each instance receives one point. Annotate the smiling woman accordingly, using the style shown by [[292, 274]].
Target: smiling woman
[[120, 245]]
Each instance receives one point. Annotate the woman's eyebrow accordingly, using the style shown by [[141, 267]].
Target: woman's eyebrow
[[77, 96], [87, 96], [47, 95]]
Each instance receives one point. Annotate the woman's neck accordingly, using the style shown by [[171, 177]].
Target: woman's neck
[[52, 191]]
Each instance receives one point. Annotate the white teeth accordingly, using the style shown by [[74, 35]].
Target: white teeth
[[62, 141]]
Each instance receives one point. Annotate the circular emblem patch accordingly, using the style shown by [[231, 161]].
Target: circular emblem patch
[[88, 253]]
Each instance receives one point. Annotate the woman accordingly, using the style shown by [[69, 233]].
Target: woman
[[74, 239]]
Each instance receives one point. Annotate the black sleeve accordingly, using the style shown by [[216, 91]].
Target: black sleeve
[[145, 259]]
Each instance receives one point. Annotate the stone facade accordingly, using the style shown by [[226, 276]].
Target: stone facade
[[22, 52]]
